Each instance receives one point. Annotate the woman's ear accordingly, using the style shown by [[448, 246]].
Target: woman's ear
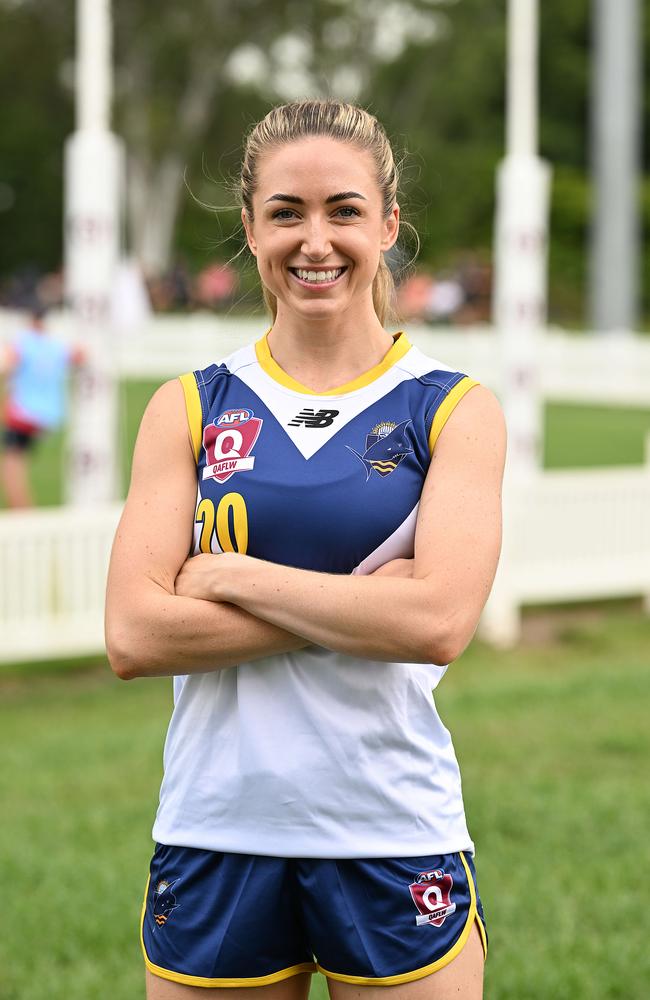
[[248, 229], [391, 229]]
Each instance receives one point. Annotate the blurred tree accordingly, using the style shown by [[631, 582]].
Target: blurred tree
[[177, 65], [190, 80], [445, 105], [35, 115], [449, 106]]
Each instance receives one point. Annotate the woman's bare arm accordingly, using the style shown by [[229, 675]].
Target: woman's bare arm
[[428, 618], [149, 629]]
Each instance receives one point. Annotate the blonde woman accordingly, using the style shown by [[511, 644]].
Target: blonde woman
[[339, 493]]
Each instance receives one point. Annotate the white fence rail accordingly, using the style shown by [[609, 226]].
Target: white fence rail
[[53, 566], [612, 369], [569, 536]]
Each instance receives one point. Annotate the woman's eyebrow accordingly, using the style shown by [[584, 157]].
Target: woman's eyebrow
[[340, 196], [344, 196]]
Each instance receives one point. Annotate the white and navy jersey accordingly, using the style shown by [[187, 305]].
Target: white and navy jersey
[[313, 753]]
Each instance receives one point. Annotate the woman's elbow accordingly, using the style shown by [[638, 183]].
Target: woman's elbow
[[122, 653], [444, 645], [122, 666]]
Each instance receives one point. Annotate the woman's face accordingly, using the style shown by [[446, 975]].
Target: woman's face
[[318, 227]]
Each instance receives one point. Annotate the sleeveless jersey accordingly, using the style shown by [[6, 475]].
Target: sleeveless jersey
[[313, 753]]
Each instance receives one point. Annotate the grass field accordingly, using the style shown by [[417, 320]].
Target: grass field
[[575, 436], [553, 742]]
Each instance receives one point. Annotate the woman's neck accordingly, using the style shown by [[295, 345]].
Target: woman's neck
[[324, 355]]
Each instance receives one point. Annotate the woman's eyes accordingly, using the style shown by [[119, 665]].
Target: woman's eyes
[[348, 209], [288, 214]]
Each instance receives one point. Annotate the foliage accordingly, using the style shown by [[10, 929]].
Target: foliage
[[190, 80], [35, 117]]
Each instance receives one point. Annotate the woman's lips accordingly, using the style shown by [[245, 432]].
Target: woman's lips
[[318, 278]]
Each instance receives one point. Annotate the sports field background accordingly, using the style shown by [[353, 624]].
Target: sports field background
[[553, 742]]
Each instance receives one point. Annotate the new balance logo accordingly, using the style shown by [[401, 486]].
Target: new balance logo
[[322, 418]]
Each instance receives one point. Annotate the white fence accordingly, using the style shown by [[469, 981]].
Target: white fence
[[53, 566], [611, 369], [569, 536]]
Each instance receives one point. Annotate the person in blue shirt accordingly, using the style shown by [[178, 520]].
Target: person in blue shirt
[[37, 366]]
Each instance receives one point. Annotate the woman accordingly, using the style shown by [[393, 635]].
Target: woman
[[346, 534]]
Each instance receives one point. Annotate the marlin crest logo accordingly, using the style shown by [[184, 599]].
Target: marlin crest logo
[[164, 901], [386, 446]]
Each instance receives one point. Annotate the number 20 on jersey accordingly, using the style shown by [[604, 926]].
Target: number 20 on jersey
[[229, 522]]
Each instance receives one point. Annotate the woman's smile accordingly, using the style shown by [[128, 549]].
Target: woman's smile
[[323, 277]]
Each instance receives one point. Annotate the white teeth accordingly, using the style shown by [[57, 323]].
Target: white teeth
[[314, 276]]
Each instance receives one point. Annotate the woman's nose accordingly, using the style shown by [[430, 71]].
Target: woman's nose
[[316, 244]]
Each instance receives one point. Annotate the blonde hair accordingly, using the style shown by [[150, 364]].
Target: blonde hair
[[336, 120]]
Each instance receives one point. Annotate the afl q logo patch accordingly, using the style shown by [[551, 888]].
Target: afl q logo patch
[[431, 893], [228, 443]]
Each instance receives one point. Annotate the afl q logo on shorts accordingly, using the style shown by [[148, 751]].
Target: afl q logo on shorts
[[431, 893], [228, 443]]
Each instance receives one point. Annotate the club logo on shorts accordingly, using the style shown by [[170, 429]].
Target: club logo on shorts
[[164, 901], [386, 446], [228, 443], [431, 893]]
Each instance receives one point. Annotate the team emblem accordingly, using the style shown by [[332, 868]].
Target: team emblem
[[386, 446], [431, 893], [228, 443], [164, 901]]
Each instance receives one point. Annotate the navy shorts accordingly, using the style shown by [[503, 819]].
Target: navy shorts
[[213, 919], [19, 440]]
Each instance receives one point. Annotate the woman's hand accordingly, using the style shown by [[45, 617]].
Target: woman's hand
[[206, 577]]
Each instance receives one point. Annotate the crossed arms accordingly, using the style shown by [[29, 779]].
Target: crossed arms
[[167, 614]]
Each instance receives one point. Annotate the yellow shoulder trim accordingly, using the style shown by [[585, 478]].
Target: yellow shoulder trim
[[426, 970], [446, 408], [266, 360], [194, 412], [179, 977]]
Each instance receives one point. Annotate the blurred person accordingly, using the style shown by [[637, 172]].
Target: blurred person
[[180, 281], [36, 366], [22, 287], [414, 297], [50, 290], [216, 285], [446, 298], [476, 282], [130, 302], [340, 494]]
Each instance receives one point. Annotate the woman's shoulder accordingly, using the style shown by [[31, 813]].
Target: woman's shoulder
[[428, 368]]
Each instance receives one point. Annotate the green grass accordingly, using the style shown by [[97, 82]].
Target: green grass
[[575, 436], [578, 435], [553, 742]]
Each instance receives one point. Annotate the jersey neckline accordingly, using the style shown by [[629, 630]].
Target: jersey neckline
[[267, 362]]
